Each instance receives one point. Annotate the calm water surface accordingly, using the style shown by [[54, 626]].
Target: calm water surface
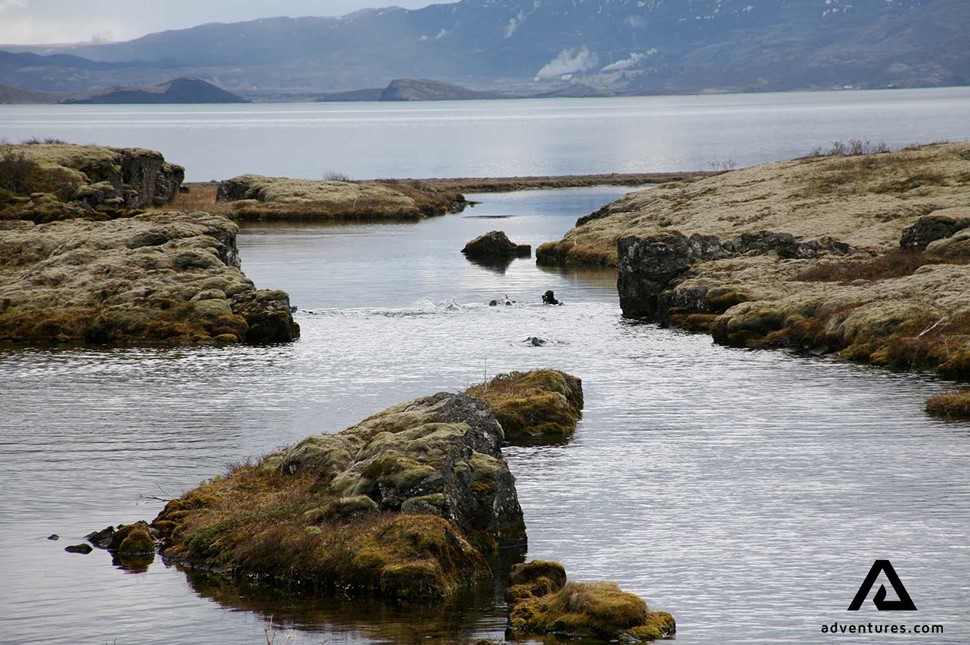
[[501, 138], [746, 492]]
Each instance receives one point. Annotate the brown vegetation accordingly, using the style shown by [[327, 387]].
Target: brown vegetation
[[950, 405], [893, 264], [269, 524], [509, 184]]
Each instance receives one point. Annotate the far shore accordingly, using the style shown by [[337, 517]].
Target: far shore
[[529, 182]]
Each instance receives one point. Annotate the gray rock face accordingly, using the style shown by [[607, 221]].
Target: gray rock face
[[495, 245], [437, 455], [931, 228], [648, 265]]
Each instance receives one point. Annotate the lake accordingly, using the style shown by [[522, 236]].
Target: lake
[[746, 492], [501, 138]]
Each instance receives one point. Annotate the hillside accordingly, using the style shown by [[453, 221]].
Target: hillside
[[14, 95], [179, 90], [577, 48]]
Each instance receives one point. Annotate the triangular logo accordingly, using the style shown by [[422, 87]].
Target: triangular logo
[[905, 603]]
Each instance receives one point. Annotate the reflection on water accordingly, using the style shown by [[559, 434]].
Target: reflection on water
[[747, 493]]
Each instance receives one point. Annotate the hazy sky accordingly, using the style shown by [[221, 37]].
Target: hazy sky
[[68, 21]]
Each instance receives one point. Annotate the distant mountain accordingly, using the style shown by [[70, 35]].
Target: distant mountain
[[569, 47], [15, 96], [180, 90]]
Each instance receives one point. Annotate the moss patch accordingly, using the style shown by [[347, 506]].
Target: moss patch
[[284, 199], [541, 406], [541, 601]]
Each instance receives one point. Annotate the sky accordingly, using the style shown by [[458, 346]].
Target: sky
[[29, 22]]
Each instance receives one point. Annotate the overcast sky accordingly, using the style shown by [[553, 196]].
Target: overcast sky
[[69, 21]]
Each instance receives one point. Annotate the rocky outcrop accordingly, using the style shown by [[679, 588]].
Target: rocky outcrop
[[648, 266], [50, 182], [864, 200], [541, 601], [538, 407], [750, 256], [931, 228], [406, 504], [277, 198], [495, 246], [158, 277]]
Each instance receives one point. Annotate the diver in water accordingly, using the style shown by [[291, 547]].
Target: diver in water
[[549, 298]]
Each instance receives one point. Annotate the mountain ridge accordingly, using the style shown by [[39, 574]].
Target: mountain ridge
[[534, 46]]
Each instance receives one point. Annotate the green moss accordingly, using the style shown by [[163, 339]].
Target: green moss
[[542, 602], [597, 610], [138, 541], [540, 405], [659, 625]]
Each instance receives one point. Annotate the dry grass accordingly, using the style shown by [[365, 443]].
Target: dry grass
[[201, 197], [863, 200], [894, 264], [950, 405], [264, 523]]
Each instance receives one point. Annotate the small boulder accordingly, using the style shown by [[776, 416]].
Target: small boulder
[[495, 245], [82, 548], [930, 228]]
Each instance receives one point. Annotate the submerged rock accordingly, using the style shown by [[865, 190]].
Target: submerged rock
[[534, 407], [83, 549], [495, 245], [541, 601]]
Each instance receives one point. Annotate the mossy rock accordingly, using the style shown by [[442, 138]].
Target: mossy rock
[[528, 572], [659, 625], [137, 540], [582, 610], [401, 506], [542, 406]]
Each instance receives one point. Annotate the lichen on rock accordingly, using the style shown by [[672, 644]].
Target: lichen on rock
[[156, 277], [58, 181]]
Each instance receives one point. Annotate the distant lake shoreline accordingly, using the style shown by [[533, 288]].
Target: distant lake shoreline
[[502, 138]]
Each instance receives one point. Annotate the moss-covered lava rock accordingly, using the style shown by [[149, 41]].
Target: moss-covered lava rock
[[157, 277], [541, 601], [404, 505], [541, 406]]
